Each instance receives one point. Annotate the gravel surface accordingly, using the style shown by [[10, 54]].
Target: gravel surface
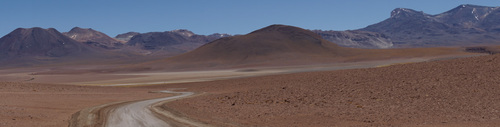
[[138, 114], [50, 105], [458, 92]]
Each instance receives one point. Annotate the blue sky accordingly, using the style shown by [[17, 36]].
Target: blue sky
[[208, 16]]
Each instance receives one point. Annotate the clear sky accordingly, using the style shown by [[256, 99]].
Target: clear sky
[[208, 16]]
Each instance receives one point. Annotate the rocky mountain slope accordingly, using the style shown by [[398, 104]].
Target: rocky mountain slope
[[280, 45], [126, 36], [39, 42], [356, 38], [461, 26], [93, 38], [269, 44], [175, 41]]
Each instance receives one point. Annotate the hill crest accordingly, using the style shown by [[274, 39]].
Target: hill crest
[[39, 42], [93, 38]]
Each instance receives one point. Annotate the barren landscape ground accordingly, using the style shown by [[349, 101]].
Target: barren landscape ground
[[170, 64], [50, 105], [91, 75], [246, 97], [458, 92]]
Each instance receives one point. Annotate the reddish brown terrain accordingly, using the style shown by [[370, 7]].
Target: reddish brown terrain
[[50, 105], [281, 45], [377, 96], [278, 75], [440, 93], [458, 92]]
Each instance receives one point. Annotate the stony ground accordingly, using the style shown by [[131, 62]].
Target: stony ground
[[50, 105], [459, 92]]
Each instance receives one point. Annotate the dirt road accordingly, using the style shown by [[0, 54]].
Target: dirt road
[[138, 114]]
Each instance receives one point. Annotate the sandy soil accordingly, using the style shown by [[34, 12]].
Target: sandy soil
[[27, 103], [459, 92], [49, 105]]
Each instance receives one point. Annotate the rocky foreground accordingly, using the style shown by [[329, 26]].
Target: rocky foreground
[[50, 105], [459, 92]]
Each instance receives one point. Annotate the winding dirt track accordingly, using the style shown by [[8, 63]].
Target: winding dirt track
[[138, 114]]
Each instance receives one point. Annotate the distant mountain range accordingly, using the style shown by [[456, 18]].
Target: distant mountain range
[[272, 43], [39, 42], [279, 45], [461, 26], [465, 25], [175, 41]]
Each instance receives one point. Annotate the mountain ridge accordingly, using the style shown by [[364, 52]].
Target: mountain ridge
[[356, 38], [279, 45], [39, 42], [175, 41], [93, 38], [461, 26], [263, 46]]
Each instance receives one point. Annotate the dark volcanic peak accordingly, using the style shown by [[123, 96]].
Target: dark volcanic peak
[[39, 42], [464, 25], [469, 8], [405, 12], [93, 38], [490, 22], [465, 15], [126, 36], [80, 34], [407, 22], [183, 32]]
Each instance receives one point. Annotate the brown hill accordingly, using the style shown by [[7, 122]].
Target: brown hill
[[93, 38], [264, 46], [280, 45]]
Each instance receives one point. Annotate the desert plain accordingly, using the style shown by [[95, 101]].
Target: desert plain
[[412, 92], [412, 69]]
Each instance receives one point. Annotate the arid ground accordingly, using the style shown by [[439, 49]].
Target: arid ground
[[459, 92], [455, 92], [411, 69], [50, 105]]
